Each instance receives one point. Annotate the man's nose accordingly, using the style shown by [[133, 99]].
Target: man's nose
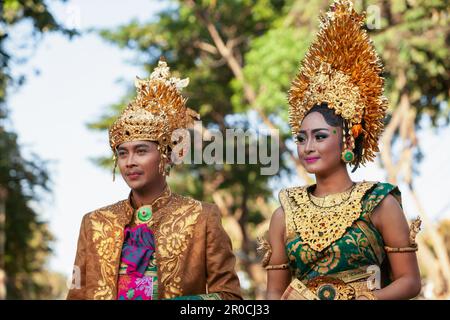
[[131, 160]]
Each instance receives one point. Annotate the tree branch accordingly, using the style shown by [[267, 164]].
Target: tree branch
[[249, 93]]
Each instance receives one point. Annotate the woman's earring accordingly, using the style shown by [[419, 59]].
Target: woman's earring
[[347, 155]]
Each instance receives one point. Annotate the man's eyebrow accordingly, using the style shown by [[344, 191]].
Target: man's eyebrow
[[314, 130], [141, 145]]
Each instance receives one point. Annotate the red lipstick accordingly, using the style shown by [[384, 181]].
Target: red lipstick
[[311, 159]]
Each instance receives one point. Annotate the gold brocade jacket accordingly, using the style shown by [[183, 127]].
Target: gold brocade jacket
[[193, 251]]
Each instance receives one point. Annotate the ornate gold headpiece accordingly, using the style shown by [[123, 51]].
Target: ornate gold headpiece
[[156, 112], [342, 69]]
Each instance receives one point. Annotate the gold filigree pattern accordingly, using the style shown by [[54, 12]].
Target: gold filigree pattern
[[361, 243], [157, 111], [108, 239], [265, 250], [173, 224], [319, 226], [329, 261], [342, 69], [330, 288], [173, 234]]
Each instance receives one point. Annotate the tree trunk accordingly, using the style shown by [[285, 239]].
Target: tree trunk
[[3, 195]]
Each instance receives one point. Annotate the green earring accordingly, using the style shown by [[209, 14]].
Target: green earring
[[348, 156]]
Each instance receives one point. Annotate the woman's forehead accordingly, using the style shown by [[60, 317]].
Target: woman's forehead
[[314, 120]]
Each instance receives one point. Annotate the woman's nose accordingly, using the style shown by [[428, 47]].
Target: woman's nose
[[309, 146]]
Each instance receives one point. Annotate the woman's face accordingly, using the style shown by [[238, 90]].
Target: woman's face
[[138, 162], [319, 145]]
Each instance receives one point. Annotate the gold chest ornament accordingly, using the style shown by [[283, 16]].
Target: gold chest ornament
[[322, 221]]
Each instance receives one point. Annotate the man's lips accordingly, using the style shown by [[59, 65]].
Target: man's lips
[[134, 175], [311, 159]]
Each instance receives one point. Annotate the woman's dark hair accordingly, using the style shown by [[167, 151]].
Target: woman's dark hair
[[334, 120]]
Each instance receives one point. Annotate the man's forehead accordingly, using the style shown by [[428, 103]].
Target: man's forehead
[[134, 144]]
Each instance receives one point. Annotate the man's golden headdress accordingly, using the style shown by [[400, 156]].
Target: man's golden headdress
[[157, 111], [342, 69]]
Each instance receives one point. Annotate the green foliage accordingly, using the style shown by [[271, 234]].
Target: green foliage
[[271, 64], [268, 39], [28, 239]]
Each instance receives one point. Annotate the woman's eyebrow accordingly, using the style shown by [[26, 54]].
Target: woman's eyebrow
[[319, 129], [314, 130]]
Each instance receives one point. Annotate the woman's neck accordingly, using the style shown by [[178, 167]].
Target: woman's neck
[[147, 196], [336, 182]]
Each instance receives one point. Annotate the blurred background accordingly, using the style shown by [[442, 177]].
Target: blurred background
[[68, 68]]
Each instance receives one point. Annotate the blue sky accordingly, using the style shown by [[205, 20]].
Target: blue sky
[[78, 80]]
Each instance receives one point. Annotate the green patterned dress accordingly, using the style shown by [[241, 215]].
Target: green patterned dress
[[358, 246]]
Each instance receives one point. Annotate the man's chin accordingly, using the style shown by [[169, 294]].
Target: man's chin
[[135, 185]]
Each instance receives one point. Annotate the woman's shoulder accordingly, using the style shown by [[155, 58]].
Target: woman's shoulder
[[298, 192], [278, 214], [378, 191]]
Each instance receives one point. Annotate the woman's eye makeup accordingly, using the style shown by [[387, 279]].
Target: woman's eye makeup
[[321, 136], [300, 138]]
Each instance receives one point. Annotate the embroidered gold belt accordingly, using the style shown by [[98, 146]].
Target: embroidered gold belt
[[346, 285]]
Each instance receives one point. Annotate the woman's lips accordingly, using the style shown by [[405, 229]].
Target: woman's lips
[[312, 159]]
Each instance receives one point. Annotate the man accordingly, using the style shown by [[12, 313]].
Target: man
[[155, 244]]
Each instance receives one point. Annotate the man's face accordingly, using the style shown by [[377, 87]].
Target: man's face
[[138, 162]]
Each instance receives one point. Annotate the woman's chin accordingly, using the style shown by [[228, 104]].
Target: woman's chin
[[312, 168]]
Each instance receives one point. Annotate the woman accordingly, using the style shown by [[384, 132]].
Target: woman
[[340, 239]]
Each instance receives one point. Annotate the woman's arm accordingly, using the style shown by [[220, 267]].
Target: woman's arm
[[277, 280], [390, 220]]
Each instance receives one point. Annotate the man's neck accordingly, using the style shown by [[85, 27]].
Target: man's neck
[[147, 196]]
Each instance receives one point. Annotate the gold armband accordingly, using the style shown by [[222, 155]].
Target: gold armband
[[400, 250], [265, 250], [414, 229], [283, 266], [369, 295]]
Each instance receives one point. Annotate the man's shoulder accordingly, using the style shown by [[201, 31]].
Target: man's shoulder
[[206, 208], [114, 208]]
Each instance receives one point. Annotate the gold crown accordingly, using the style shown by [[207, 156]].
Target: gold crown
[[157, 111], [342, 69]]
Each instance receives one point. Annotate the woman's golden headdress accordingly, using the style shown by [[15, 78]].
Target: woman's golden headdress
[[157, 111], [342, 69]]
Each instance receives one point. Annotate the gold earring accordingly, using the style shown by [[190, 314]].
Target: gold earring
[[167, 168], [347, 155], [114, 168]]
